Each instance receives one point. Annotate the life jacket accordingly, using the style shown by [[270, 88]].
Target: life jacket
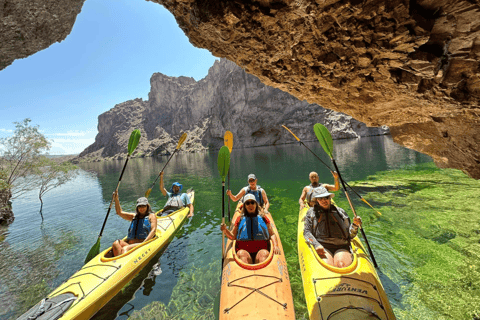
[[257, 193], [310, 191], [252, 228], [174, 202], [334, 226], [139, 228]]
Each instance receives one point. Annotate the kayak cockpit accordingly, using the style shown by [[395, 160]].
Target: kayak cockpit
[[108, 255], [257, 265]]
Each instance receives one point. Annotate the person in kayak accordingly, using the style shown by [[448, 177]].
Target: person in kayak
[[307, 190], [142, 227], [176, 200], [256, 190], [329, 230], [252, 231]]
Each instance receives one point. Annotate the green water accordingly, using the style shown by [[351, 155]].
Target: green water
[[426, 242]]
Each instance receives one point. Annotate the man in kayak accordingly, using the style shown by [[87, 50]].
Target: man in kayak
[[252, 231], [256, 190], [176, 200], [307, 190], [328, 229], [142, 227]]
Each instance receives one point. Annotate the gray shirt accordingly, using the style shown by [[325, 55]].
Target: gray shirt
[[332, 227]]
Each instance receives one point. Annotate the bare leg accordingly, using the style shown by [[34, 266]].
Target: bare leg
[[328, 258], [117, 247], [261, 256], [244, 256], [342, 259], [129, 247]]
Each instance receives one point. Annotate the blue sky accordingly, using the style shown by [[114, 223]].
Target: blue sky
[[108, 58]]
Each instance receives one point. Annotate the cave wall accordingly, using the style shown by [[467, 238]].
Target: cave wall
[[411, 65]]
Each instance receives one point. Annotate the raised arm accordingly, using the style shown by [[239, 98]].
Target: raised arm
[[336, 187], [162, 188], [238, 196], [266, 204], [302, 198], [118, 208]]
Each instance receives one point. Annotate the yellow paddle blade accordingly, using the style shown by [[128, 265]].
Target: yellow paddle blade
[[182, 139], [371, 206], [291, 132], [228, 140], [148, 192]]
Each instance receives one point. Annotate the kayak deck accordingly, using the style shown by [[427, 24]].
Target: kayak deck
[[98, 281], [353, 292], [255, 291]]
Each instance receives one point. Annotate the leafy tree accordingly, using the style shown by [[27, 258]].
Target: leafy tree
[[23, 166], [53, 174]]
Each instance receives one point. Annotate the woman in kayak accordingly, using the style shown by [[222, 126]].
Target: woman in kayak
[[142, 228], [252, 231], [329, 230]]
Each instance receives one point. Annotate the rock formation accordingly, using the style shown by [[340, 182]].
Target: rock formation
[[411, 65], [226, 99]]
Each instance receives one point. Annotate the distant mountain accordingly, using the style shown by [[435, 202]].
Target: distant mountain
[[226, 99]]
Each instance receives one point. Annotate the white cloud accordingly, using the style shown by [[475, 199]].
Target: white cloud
[[5, 130], [72, 134], [72, 142]]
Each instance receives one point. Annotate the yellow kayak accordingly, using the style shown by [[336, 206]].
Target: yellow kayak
[[255, 291], [98, 281], [353, 292]]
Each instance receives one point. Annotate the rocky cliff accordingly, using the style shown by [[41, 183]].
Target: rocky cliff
[[226, 99], [411, 65]]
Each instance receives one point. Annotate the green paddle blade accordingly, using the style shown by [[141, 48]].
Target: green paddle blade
[[325, 138], [223, 162], [93, 251], [133, 142]]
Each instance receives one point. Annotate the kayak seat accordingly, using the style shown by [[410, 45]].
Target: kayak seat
[[252, 254], [50, 308], [108, 255]]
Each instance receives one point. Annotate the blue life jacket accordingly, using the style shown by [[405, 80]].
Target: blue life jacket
[[257, 193], [252, 229], [139, 228]]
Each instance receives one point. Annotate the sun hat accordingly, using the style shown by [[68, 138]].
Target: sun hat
[[142, 201], [251, 176], [176, 184], [321, 192], [249, 196]]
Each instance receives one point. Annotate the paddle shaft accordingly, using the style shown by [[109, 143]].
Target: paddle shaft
[[116, 189], [223, 221], [355, 214], [153, 184]]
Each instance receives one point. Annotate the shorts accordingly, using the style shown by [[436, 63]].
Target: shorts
[[334, 248]]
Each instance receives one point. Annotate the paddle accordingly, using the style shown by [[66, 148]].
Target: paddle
[[180, 141], [132, 145], [361, 198], [228, 142], [325, 139], [223, 164]]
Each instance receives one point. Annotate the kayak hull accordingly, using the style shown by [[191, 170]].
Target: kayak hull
[[353, 292], [258, 291], [98, 281]]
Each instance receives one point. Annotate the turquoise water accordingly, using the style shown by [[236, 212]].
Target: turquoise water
[[184, 281]]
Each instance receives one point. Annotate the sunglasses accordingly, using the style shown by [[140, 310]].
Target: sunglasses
[[251, 180], [142, 206], [249, 203], [327, 197]]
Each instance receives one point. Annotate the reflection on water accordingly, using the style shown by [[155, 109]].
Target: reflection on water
[[43, 257]]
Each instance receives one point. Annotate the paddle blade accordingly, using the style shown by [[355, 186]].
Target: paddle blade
[[182, 139], [133, 142], [228, 140], [325, 138], [223, 162], [148, 192], [93, 251], [298, 139]]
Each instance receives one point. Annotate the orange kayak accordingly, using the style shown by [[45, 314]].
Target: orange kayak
[[255, 291]]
